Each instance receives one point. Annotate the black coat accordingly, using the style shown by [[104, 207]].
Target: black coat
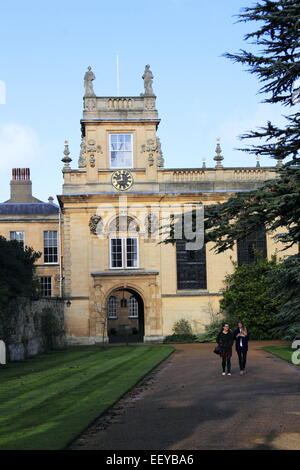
[[225, 341], [244, 340]]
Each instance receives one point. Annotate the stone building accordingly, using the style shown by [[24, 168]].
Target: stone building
[[119, 279], [102, 251], [33, 223]]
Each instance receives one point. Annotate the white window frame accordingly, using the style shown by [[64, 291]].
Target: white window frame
[[135, 314], [17, 231], [110, 150], [109, 316], [57, 247], [110, 253], [124, 253]]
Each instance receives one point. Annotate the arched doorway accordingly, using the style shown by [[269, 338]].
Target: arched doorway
[[125, 316]]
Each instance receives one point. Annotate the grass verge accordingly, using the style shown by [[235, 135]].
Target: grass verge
[[283, 351], [49, 400]]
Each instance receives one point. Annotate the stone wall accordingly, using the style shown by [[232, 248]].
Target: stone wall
[[31, 327]]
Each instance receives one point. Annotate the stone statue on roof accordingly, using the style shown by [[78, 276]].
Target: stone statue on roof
[[88, 85], [148, 80]]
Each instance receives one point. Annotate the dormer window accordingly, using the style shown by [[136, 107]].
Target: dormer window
[[120, 150]]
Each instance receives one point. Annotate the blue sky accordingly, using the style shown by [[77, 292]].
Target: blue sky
[[45, 48]]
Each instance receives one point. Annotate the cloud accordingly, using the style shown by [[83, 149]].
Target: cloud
[[19, 146]]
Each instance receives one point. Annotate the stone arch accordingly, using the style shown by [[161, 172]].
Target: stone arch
[[123, 327], [126, 285], [131, 219]]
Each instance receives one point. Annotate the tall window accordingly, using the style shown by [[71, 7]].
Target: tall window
[[133, 307], [116, 250], [46, 286], [131, 252], [19, 236], [120, 150], [246, 248], [50, 247], [191, 267], [124, 252], [112, 307]]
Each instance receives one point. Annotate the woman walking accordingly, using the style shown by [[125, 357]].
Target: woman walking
[[225, 341], [241, 336]]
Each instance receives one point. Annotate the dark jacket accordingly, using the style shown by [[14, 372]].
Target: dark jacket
[[225, 341], [244, 340]]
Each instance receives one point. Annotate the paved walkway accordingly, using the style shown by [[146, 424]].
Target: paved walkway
[[186, 404]]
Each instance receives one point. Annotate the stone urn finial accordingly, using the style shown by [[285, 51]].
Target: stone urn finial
[[66, 160], [278, 156], [218, 157]]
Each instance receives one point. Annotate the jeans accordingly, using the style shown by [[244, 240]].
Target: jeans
[[242, 358]]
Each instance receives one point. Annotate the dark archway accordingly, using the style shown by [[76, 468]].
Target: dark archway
[[125, 316]]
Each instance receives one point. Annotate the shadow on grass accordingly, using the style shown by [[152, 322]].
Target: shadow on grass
[[58, 400]]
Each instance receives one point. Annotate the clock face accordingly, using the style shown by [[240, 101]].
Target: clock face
[[122, 180]]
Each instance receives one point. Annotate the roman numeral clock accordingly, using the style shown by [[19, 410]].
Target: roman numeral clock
[[122, 180]]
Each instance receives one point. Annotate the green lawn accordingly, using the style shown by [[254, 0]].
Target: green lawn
[[283, 351], [46, 401]]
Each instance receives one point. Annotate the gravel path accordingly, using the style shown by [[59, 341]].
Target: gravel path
[[186, 404]]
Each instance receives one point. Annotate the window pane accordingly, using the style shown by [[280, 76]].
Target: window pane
[[133, 307], [121, 150], [113, 158], [19, 236], [116, 253], [246, 248], [112, 307], [191, 267], [50, 247], [46, 288], [131, 252]]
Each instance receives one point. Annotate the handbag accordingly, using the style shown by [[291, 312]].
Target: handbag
[[217, 350]]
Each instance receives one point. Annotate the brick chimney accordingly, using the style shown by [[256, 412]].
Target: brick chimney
[[21, 186]]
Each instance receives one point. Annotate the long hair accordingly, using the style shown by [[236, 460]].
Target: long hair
[[244, 328]]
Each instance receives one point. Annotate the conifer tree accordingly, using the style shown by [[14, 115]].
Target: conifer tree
[[276, 204], [17, 271], [275, 59]]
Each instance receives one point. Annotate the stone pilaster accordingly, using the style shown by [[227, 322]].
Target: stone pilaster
[[67, 256]]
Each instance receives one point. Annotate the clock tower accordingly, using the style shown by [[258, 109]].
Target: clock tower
[[121, 284], [120, 150], [109, 269]]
